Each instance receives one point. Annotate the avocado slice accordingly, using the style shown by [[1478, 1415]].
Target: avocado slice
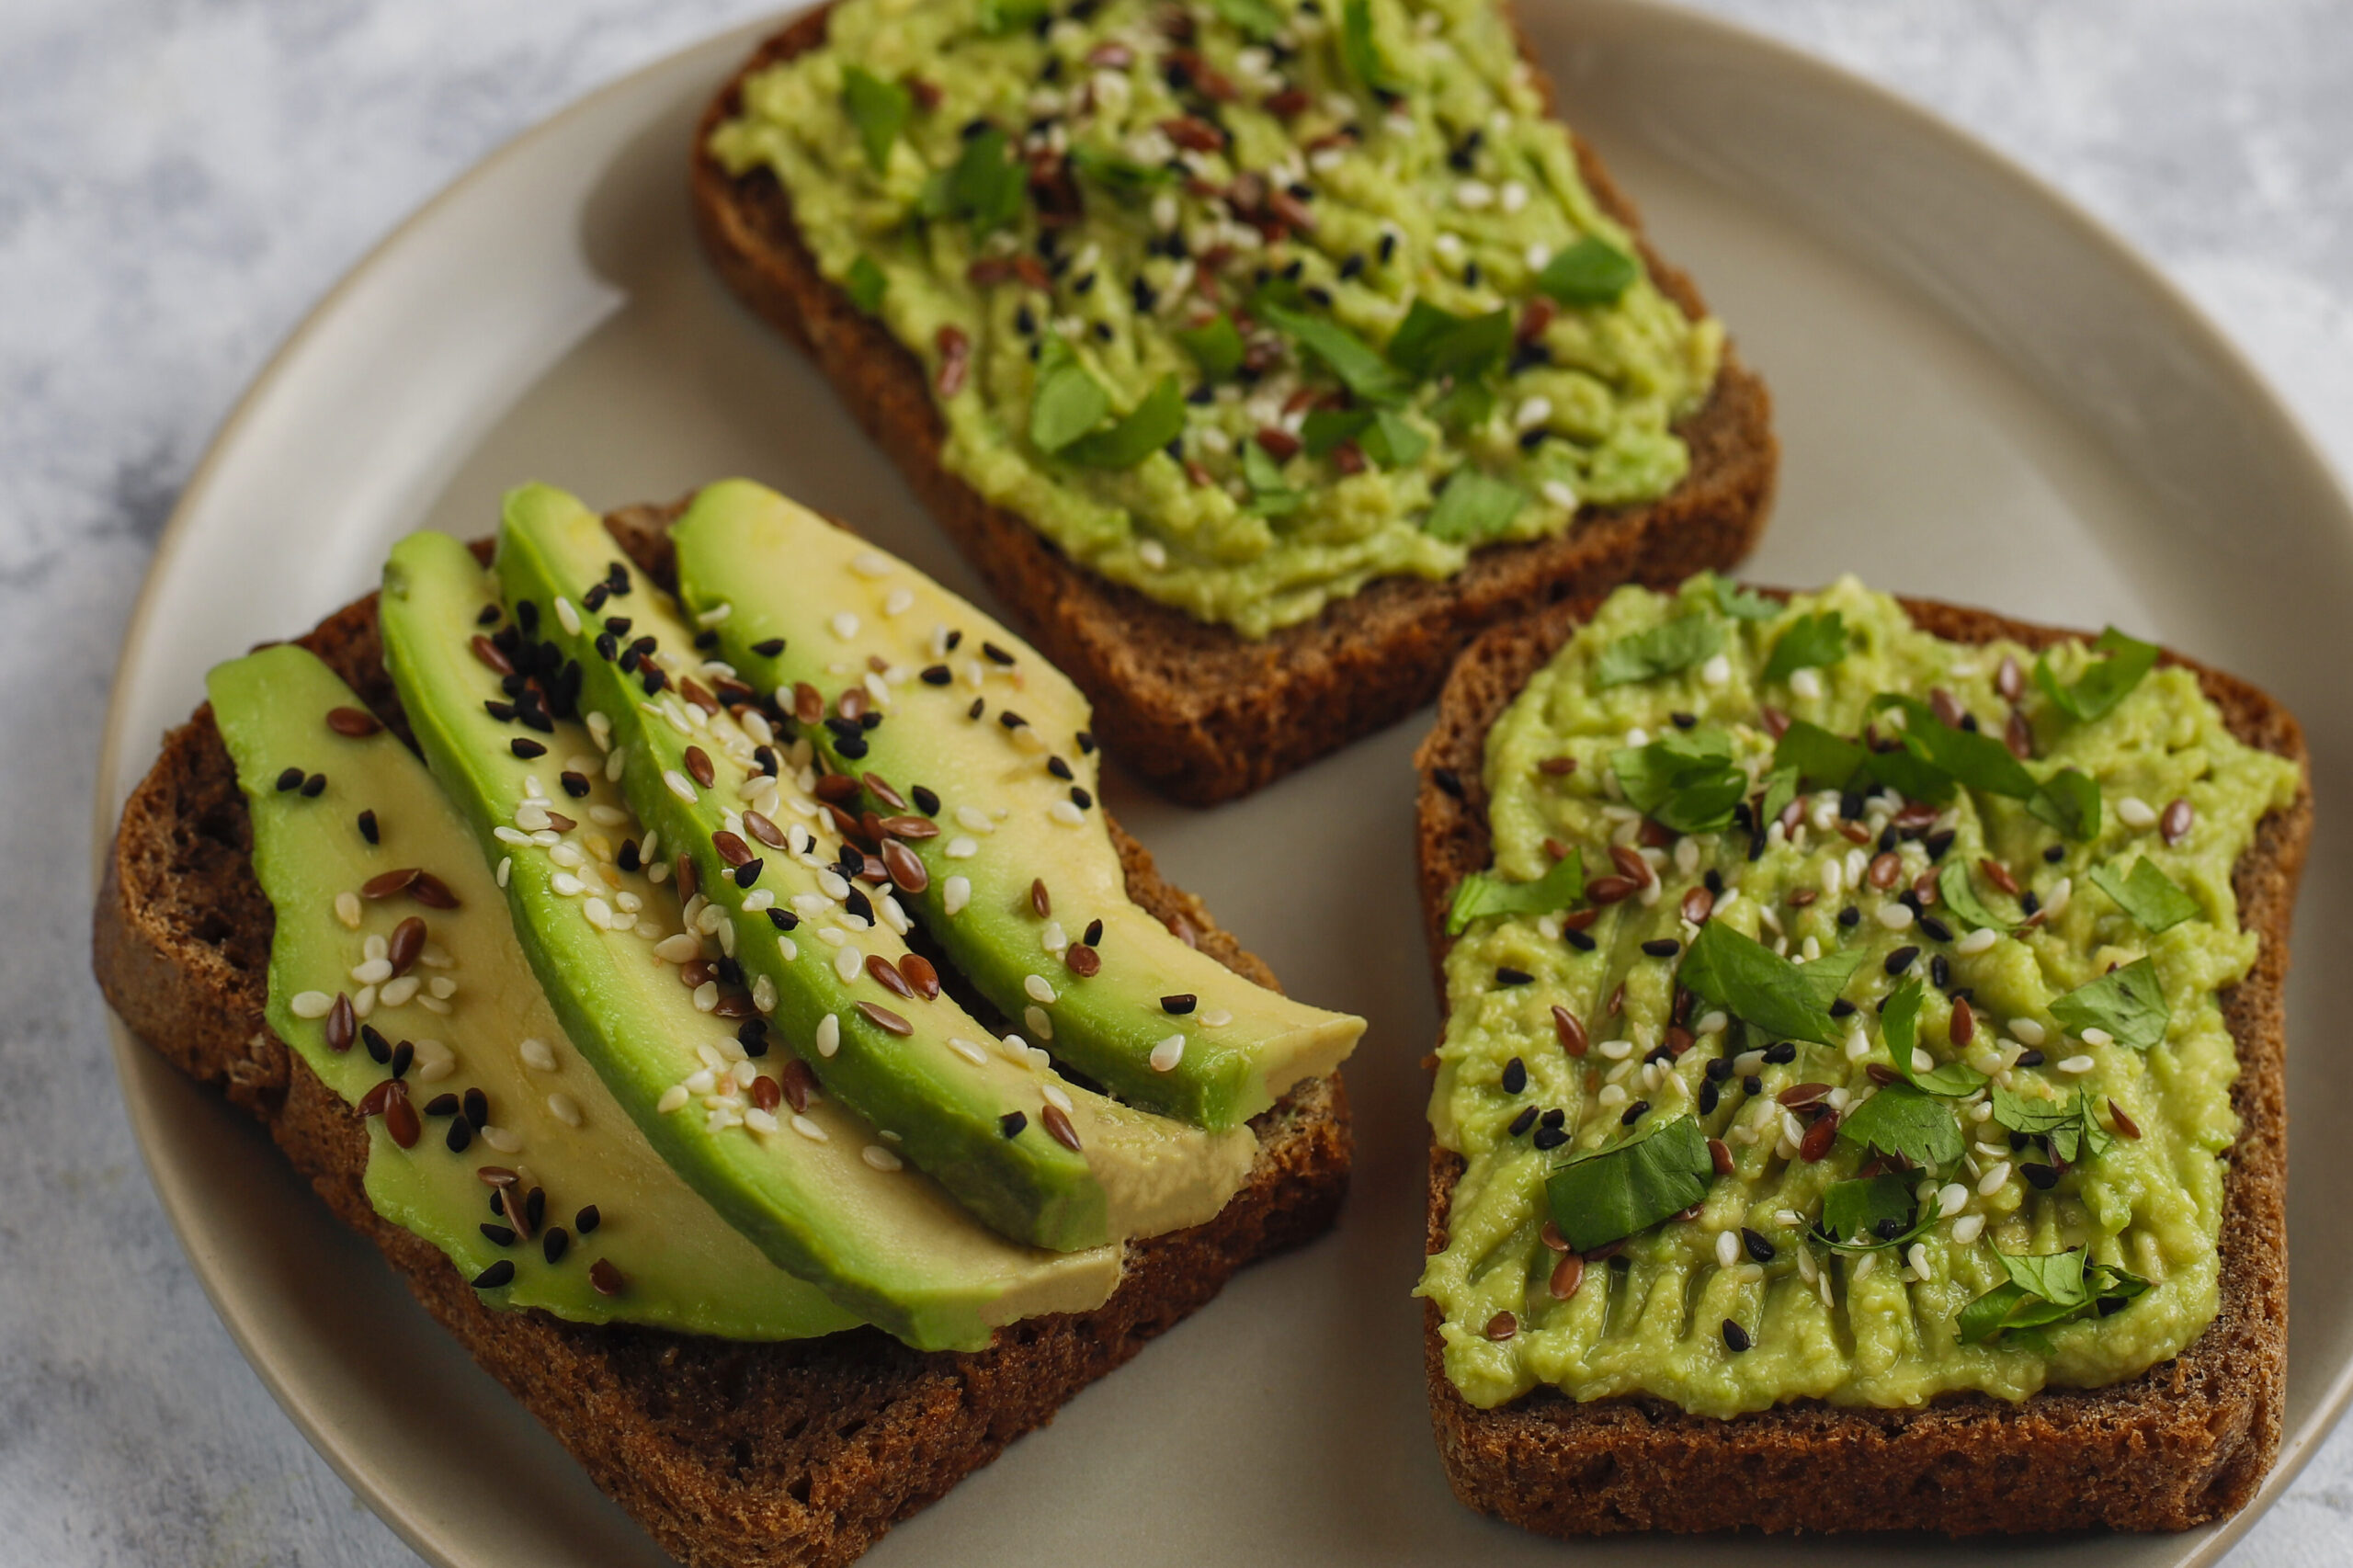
[[983, 734], [551, 1123], [823, 1194], [824, 956]]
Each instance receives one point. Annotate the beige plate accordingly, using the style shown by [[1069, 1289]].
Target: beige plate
[[1983, 395]]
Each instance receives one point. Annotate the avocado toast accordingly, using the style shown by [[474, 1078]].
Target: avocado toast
[[740, 1413], [1936, 1385], [1293, 574]]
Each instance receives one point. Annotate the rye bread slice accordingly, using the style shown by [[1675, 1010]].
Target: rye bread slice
[[731, 1455], [2187, 1441], [1202, 713]]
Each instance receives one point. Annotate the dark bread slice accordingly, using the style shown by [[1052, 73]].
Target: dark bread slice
[[1202, 713], [2187, 1441], [729, 1454]]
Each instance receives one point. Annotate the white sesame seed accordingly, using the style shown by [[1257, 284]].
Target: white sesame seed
[[2097, 1037], [1039, 1024], [1473, 195], [538, 1055], [829, 1035], [598, 913], [968, 1051], [1532, 412], [845, 625], [809, 1129], [505, 1143], [761, 1121], [1965, 1229], [1039, 990], [881, 1159], [954, 894], [1538, 256], [1976, 942], [2077, 1064], [871, 563], [1616, 1049], [1727, 1249], [705, 997], [848, 964], [1066, 812], [566, 1109], [568, 616], [311, 1004], [506, 865], [679, 785], [715, 614], [396, 992], [1863, 1269], [1216, 1018], [1611, 1096], [1053, 938], [960, 848], [1153, 554], [1450, 246], [1514, 196], [1918, 1255], [1991, 1182], [608, 816], [2135, 812], [899, 601], [566, 884], [346, 909], [1895, 917], [1712, 1022], [1951, 1200], [1922, 1062], [531, 815], [832, 885], [1805, 682], [1168, 1053], [764, 993]]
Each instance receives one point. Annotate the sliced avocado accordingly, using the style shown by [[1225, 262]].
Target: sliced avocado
[[982, 733], [823, 953], [817, 1190], [489, 1046]]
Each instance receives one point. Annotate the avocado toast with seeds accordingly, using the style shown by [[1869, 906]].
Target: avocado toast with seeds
[[742, 1415], [1951, 1193], [1429, 370]]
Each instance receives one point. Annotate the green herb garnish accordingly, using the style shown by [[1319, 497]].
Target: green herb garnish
[[1900, 1026], [1365, 373], [1812, 642], [1686, 779], [1068, 403], [865, 285], [2103, 684], [2127, 1004], [1905, 1123], [1961, 895], [1590, 272], [1255, 18], [1741, 604], [2148, 895], [1431, 343], [1156, 421], [1215, 346], [1472, 506], [1271, 495], [2073, 1132], [1853, 1211], [2042, 1290], [1612, 1193], [1126, 179], [1754, 983], [1483, 895], [1817, 754], [879, 110], [1359, 50], [1662, 650], [1977, 761], [999, 17], [2068, 801], [985, 186]]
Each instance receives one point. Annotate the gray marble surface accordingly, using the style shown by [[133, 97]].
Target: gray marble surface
[[180, 179]]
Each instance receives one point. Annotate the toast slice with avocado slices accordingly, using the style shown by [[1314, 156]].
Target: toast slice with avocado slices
[[799, 1437], [1583, 1410], [1203, 712]]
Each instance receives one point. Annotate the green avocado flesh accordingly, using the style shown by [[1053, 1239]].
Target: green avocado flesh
[[474, 1018], [826, 956], [983, 747], [1244, 304], [820, 1191], [2025, 1193]]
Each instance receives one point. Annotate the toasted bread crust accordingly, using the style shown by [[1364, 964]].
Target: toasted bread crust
[[2187, 1441], [1202, 713], [729, 1454]]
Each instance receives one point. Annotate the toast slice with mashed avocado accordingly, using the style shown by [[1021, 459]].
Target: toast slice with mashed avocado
[[1413, 363], [739, 1415], [1893, 1110]]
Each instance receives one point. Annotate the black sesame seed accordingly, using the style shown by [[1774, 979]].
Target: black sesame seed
[[1754, 1083], [1352, 264], [927, 800], [1080, 799], [747, 873], [2027, 902], [497, 1274], [1709, 1095], [1683, 721], [498, 1236], [1059, 768], [938, 674], [1887, 1230], [2032, 1059], [1661, 947], [1470, 276], [851, 746], [1523, 1121], [1841, 1007], [2053, 854], [587, 1219], [1388, 247], [2043, 1178], [380, 1049], [477, 1108], [1934, 929], [368, 828], [1549, 1137], [1735, 1337], [1514, 1078], [1715, 881], [314, 786], [1781, 1054], [1094, 934], [628, 858], [1011, 1123], [404, 1058], [1938, 843], [1887, 838], [460, 1135], [555, 1243], [575, 785], [1180, 1004], [1634, 1113], [1718, 1069], [768, 648], [442, 1105], [1940, 972], [1759, 1247], [487, 616], [1578, 940], [1900, 960], [526, 748], [706, 640], [1554, 1118], [1506, 976], [1850, 917], [857, 904], [1318, 293]]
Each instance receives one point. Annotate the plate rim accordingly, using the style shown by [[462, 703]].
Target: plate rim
[[2249, 387]]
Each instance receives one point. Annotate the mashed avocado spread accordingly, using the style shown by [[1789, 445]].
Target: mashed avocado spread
[[1923, 1087], [1244, 304]]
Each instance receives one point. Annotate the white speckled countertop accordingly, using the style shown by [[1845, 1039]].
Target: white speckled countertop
[[179, 182]]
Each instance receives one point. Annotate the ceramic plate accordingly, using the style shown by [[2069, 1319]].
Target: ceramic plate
[[1983, 395]]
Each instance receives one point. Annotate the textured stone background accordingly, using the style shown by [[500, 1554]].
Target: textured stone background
[[180, 179]]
